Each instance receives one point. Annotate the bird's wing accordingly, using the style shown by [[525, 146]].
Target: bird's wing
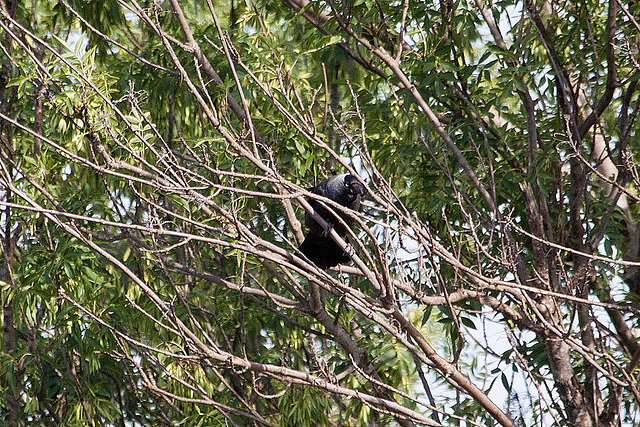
[[320, 190]]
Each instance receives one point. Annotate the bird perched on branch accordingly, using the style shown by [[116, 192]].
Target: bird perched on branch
[[318, 246]]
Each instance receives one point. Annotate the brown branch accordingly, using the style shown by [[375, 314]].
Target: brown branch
[[282, 373], [611, 82], [451, 373]]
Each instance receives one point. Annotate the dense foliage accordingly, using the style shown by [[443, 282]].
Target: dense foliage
[[155, 160]]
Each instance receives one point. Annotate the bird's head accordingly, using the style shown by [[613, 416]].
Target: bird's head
[[354, 186]]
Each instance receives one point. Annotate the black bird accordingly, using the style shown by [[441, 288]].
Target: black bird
[[318, 246]]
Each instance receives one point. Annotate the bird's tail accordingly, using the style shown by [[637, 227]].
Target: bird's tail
[[324, 252]]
